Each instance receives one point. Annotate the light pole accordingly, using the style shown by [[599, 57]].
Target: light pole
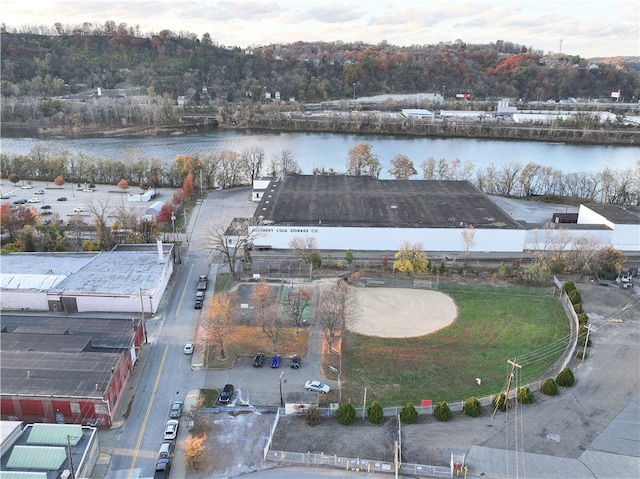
[[354, 90], [173, 226], [443, 89], [280, 383]]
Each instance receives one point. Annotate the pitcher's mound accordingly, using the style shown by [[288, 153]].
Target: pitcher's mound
[[402, 313]]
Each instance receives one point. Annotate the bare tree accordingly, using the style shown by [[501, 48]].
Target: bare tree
[[336, 306], [403, 168], [222, 313], [468, 237], [234, 243], [550, 242], [252, 161], [273, 327], [299, 299], [101, 211], [303, 247]]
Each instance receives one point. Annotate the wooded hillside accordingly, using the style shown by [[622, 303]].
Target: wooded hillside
[[81, 59]]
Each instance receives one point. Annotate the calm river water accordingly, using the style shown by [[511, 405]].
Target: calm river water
[[330, 150]]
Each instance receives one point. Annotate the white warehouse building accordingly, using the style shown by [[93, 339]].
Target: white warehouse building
[[366, 214]]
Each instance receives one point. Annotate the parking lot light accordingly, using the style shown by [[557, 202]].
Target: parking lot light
[[280, 383]]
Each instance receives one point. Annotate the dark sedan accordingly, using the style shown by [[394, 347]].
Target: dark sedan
[[258, 360]]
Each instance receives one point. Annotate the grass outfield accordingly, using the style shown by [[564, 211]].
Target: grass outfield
[[492, 327]]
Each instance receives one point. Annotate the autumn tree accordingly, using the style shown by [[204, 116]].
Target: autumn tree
[[303, 247], [264, 300], [188, 186], [335, 307], [411, 258], [123, 185], [58, 181], [222, 314], [195, 451], [362, 162], [403, 168], [14, 178], [14, 219]]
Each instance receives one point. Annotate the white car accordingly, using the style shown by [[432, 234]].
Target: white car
[[171, 429], [88, 190], [34, 200], [26, 187], [39, 192], [317, 386], [188, 348], [79, 209]]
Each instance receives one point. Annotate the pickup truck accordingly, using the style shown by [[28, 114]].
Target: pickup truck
[[202, 282]]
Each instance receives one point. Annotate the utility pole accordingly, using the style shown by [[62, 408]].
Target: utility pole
[[142, 322], [586, 342], [514, 365], [70, 457], [364, 403]]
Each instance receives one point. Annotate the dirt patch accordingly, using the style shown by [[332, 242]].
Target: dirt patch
[[414, 312]]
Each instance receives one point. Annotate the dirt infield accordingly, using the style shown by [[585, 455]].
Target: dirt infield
[[401, 312]]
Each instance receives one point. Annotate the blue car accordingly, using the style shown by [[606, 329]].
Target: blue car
[[275, 361]]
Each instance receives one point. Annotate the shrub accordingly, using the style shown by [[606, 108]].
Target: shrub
[[346, 414], [502, 269], [500, 401], [442, 267], [575, 296], [312, 416], [409, 415], [549, 387], [565, 378], [442, 412], [582, 336], [348, 257], [581, 353], [524, 395], [329, 261], [577, 307], [375, 414], [316, 260], [583, 319], [472, 407], [568, 286]]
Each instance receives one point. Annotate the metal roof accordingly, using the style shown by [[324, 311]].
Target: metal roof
[[616, 214], [46, 458], [54, 434], [363, 201], [22, 475]]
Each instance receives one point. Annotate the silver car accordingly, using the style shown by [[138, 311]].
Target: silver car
[[317, 386]]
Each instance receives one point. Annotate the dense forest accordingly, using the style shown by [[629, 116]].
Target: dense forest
[[67, 61]]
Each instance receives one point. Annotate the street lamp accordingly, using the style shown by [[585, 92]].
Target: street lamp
[[354, 90], [142, 321], [443, 89], [280, 384], [173, 226]]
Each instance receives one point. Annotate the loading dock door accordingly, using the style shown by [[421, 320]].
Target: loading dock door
[[69, 304]]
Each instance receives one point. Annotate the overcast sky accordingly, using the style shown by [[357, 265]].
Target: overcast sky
[[589, 28]]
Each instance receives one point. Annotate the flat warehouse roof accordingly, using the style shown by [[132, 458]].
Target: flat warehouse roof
[[308, 200]]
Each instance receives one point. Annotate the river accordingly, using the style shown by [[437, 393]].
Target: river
[[330, 150]]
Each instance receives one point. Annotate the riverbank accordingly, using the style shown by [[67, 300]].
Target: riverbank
[[367, 125]]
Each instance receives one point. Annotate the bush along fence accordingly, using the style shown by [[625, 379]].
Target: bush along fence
[[443, 410]]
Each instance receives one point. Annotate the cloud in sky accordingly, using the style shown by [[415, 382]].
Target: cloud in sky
[[588, 28]]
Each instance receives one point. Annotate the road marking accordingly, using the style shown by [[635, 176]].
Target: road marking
[[146, 416], [184, 290]]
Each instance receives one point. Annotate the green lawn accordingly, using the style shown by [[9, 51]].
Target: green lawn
[[492, 327]]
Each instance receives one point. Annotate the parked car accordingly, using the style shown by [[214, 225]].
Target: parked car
[[258, 360], [34, 200], [5, 197], [46, 212], [45, 207], [166, 450], [275, 361], [295, 362], [79, 209], [21, 201], [39, 192], [62, 198], [176, 410], [89, 190], [199, 299], [188, 348], [26, 187], [317, 386], [227, 393], [171, 429], [163, 468]]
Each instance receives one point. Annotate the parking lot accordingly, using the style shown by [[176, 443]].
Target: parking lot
[[59, 204]]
